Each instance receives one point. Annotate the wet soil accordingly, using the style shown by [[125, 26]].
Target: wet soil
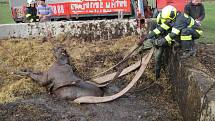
[[206, 56], [138, 107]]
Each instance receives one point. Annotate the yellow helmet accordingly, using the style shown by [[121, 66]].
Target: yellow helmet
[[168, 12]]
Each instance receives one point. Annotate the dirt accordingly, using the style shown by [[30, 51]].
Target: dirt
[[206, 56], [21, 99]]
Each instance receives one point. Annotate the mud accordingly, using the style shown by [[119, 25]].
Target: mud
[[24, 100], [131, 108], [206, 56], [193, 83]]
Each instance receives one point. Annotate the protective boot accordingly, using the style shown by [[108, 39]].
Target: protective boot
[[158, 61], [157, 73]]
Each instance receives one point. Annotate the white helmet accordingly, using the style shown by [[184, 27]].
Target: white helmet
[[31, 1], [169, 12]]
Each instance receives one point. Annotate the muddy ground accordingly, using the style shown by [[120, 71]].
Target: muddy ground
[[23, 100], [206, 56]]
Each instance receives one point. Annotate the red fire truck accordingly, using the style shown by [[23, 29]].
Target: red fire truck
[[73, 9], [157, 5]]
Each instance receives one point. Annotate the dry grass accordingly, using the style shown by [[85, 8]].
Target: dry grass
[[88, 58]]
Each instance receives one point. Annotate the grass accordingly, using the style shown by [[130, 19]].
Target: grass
[[5, 13], [208, 24]]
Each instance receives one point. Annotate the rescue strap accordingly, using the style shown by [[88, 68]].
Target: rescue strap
[[92, 99], [128, 55], [107, 78]]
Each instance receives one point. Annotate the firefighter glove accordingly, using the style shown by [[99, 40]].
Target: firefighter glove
[[159, 42]]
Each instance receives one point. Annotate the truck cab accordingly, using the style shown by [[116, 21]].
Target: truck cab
[[157, 5]]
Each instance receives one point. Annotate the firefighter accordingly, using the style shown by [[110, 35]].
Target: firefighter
[[172, 26], [31, 11]]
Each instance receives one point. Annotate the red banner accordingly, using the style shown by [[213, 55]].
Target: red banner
[[91, 7]]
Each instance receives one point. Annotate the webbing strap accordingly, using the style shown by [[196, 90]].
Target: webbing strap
[[92, 99]]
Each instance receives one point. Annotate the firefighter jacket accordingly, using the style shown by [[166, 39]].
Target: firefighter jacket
[[182, 21], [31, 14], [162, 26]]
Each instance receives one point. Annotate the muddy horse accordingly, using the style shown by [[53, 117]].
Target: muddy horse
[[61, 80]]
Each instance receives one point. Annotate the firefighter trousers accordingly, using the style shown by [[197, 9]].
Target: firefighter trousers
[[158, 56], [187, 37]]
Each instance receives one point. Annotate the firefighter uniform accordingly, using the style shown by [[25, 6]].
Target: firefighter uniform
[[31, 14], [31, 11], [172, 26], [187, 29]]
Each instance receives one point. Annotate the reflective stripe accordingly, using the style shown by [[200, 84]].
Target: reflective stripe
[[176, 31], [156, 31], [192, 22], [168, 39], [163, 20], [32, 20], [200, 32], [158, 18], [28, 15], [185, 15], [164, 26], [189, 37]]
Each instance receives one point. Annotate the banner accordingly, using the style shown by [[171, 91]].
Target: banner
[[91, 7]]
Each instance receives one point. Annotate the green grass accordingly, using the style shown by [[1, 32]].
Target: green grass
[[5, 14], [208, 23]]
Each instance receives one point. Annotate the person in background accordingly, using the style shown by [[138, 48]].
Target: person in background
[[44, 11], [147, 9], [196, 10], [31, 12]]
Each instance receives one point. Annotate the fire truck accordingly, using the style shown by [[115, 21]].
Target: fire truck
[[73, 9], [89, 9], [157, 5]]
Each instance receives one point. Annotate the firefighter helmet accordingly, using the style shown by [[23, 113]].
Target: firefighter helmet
[[31, 1], [168, 12]]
